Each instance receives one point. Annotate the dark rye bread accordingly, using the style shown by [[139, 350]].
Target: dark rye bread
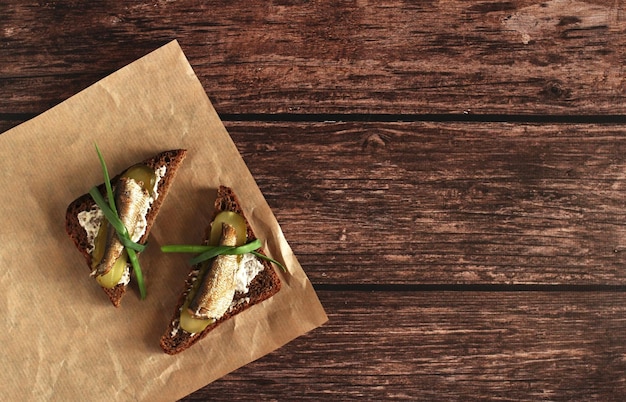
[[172, 159], [263, 286]]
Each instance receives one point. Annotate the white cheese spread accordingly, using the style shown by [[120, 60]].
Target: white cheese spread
[[140, 229], [90, 221], [247, 269], [125, 279]]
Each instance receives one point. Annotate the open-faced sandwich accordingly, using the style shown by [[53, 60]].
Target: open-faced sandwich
[[138, 194], [231, 275]]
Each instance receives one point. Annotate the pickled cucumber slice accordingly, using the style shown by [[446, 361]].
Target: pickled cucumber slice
[[191, 324], [113, 277], [143, 174], [99, 245], [233, 219]]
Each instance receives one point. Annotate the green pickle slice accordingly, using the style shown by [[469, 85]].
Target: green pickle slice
[[141, 174], [233, 219], [187, 322], [191, 324], [100, 243], [112, 278]]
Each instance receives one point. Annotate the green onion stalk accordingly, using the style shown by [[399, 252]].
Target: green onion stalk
[[207, 252], [110, 212]]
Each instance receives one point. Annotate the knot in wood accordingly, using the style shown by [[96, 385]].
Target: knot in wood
[[555, 90], [374, 141]]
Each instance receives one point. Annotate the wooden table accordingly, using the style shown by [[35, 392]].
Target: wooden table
[[451, 176]]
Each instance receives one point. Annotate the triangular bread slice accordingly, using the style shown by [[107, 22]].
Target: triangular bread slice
[[170, 161], [264, 285]]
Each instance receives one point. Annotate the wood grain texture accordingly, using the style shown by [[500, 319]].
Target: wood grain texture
[[447, 346], [445, 203], [503, 57]]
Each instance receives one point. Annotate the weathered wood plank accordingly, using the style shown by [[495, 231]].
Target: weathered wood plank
[[505, 57], [447, 346], [446, 203]]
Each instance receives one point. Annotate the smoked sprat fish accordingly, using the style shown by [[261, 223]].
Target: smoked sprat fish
[[218, 285], [131, 199]]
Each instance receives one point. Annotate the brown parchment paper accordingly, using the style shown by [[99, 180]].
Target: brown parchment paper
[[60, 336]]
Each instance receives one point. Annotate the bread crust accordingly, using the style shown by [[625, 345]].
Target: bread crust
[[263, 286], [172, 159]]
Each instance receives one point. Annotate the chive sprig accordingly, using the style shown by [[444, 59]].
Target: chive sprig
[[110, 213], [207, 252]]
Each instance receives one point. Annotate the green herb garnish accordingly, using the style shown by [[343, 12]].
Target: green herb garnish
[[207, 252], [110, 212]]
